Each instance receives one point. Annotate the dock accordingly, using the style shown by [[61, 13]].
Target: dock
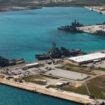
[[70, 96], [92, 28]]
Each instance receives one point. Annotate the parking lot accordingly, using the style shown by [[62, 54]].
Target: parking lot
[[67, 74]]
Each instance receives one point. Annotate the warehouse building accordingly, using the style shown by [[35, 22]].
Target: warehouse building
[[32, 65], [92, 57]]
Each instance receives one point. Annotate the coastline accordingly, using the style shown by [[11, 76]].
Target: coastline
[[18, 8], [82, 99], [26, 85], [39, 6], [98, 9]]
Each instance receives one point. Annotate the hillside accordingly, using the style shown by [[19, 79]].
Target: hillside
[[38, 2], [88, 2], [7, 4]]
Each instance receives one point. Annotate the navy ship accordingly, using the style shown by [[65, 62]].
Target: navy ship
[[56, 52], [4, 62], [71, 28]]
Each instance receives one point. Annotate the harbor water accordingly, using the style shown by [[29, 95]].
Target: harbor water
[[26, 33]]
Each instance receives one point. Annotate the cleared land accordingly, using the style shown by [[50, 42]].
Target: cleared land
[[79, 69], [67, 74], [92, 29]]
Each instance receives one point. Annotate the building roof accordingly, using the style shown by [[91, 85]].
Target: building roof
[[32, 64], [88, 57]]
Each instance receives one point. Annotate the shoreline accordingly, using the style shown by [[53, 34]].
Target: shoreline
[[20, 8], [92, 29], [98, 9], [70, 96]]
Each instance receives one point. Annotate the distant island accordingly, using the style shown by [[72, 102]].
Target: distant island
[[6, 5]]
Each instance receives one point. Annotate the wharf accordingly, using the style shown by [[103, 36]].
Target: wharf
[[92, 28], [83, 99]]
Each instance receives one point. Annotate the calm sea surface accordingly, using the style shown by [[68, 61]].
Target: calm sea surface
[[26, 33], [13, 96]]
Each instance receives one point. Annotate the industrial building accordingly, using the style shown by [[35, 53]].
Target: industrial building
[[92, 57], [31, 65]]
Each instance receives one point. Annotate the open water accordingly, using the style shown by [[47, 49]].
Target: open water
[[26, 33], [13, 96]]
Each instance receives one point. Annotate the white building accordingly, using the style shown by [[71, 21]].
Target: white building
[[31, 65], [92, 57]]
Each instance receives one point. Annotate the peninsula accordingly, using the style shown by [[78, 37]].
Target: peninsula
[[70, 78], [93, 29], [77, 27]]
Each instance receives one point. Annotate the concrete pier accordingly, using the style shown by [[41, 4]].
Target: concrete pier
[[83, 99], [92, 28]]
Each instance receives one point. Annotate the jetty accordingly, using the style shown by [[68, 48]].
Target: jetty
[[72, 28], [83, 99], [93, 29], [77, 27]]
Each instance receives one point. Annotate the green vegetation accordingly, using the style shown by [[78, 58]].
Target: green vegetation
[[100, 68], [51, 86], [47, 76], [96, 87], [34, 79], [2, 76], [34, 3]]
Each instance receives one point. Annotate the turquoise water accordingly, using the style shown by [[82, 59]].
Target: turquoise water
[[26, 33], [13, 96]]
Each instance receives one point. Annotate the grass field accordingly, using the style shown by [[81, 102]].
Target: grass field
[[96, 87], [34, 79]]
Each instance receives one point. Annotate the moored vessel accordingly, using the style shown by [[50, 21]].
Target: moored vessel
[[58, 52], [73, 28]]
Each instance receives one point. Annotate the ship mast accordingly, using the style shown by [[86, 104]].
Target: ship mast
[[51, 51]]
